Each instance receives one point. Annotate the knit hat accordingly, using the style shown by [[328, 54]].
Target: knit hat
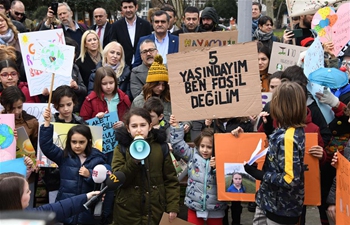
[[157, 71]]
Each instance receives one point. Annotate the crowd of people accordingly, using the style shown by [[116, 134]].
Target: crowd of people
[[121, 68]]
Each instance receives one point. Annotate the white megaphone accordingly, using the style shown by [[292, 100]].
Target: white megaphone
[[139, 149]]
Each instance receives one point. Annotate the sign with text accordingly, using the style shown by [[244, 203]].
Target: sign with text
[[314, 57], [218, 84], [108, 134], [37, 110], [343, 191], [283, 56], [192, 41], [38, 80]]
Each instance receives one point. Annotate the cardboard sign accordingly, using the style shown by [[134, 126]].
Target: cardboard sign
[[192, 41], [7, 138], [177, 221], [298, 8], [230, 159], [37, 110], [38, 80], [24, 146], [283, 56], [343, 191], [60, 137], [14, 165], [108, 134], [218, 84]]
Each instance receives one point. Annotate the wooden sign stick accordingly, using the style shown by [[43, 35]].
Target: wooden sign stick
[[51, 88]]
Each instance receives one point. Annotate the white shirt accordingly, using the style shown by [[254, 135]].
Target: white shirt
[[132, 31], [103, 29]]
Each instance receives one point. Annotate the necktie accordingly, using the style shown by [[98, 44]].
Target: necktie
[[99, 31]]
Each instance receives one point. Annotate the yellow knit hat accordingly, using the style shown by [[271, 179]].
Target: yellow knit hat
[[157, 71]]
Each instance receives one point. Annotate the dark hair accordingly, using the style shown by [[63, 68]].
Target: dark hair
[[296, 18], [6, 4], [154, 104], [168, 8], [264, 19], [148, 91], [159, 13], [288, 105], [78, 129], [136, 111], [264, 49], [295, 73], [9, 63], [62, 91], [11, 191], [102, 72], [72, 42], [276, 75], [206, 132], [258, 4], [11, 95], [128, 1], [191, 9]]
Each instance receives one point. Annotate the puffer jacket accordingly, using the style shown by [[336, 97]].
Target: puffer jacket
[[72, 183], [149, 189], [201, 191], [281, 192]]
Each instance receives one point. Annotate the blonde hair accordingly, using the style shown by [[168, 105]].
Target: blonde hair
[[7, 52], [10, 25], [105, 51], [83, 49]]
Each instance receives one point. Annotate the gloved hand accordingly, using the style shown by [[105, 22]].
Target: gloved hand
[[328, 98]]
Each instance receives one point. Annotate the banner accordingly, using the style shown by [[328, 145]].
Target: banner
[[7, 138], [108, 134], [192, 41], [298, 7], [60, 137], [343, 191], [218, 84], [283, 56], [38, 80]]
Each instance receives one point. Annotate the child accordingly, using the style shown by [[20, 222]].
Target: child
[[201, 176], [281, 193], [237, 185], [76, 162], [149, 189]]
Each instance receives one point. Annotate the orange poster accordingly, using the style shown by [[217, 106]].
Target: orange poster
[[343, 191], [231, 152]]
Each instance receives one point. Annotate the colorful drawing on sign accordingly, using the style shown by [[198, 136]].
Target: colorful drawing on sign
[[305, 7], [108, 135], [60, 137], [7, 138], [323, 22], [341, 31], [24, 146], [53, 57], [314, 58], [38, 79]]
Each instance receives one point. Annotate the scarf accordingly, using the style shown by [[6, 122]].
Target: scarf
[[96, 59], [7, 38], [115, 68], [255, 24], [262, 36]]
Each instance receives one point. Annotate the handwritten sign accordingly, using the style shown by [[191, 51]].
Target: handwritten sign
[[314, 58], [218, 84], [37, 110], [283, 56], [341, 34], [108, 135], [38, 80], [24, 146], [51, 57], [7, 138], [266, 97], [60, 137], [192, 41], [343, 191], [14, 165]]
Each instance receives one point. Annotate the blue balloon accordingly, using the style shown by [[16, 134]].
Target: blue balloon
[[324, 23]]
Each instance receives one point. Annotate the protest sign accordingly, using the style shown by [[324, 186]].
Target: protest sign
[[305, 7], [283, 56], [218, 84], [177, 221], [24, 146], [314, 58], [60, 131], [343, 191], [192, 41], [227, 163], [266, 97], [341, 30], [14, 165], [7, 138], [38, 80], [37, 110], [108, 134]]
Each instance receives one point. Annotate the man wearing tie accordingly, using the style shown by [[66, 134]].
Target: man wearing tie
[[101, 25]]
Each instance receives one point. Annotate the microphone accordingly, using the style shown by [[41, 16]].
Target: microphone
[[113, 182], [99, 175]]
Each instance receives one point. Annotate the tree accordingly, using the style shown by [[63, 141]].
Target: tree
[[226, 8], [177, 4]]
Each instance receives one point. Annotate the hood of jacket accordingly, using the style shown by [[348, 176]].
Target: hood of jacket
[[210, 12]]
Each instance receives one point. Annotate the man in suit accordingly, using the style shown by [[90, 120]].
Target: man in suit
[[101, 25], [128, 30], [172, 14], [166, 43]]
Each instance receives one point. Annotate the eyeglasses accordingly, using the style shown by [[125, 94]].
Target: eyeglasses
[[345, 63], [160, 21], [19, 14], [6, 74], [151, 50]]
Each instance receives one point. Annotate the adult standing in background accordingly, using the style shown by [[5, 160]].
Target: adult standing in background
[[101, 26], [172, 14], [210, 20], [264, 33], [305, 25], [17, 12], [190, 21], [128, 30], [256, 14], [5, 8]]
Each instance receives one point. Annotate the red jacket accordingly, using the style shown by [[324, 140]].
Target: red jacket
[[24, 88], [93, 105]]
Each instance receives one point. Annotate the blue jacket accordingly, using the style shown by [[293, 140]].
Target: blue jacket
[[65, 208], [281, 192], [72, 183], [173, 47]]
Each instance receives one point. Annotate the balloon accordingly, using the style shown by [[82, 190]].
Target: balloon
[[322, 32], [332, 19], [324, 12], [318, 28], [324, 23]]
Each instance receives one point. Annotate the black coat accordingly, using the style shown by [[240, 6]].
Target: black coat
[[119, 33], [86, 68], [105, 37]]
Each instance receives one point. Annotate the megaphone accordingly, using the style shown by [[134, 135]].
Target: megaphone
[[139, 149]]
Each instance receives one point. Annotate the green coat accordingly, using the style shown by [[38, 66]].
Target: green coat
[[138, 201]]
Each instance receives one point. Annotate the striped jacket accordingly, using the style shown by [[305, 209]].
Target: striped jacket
[[281, 193]]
